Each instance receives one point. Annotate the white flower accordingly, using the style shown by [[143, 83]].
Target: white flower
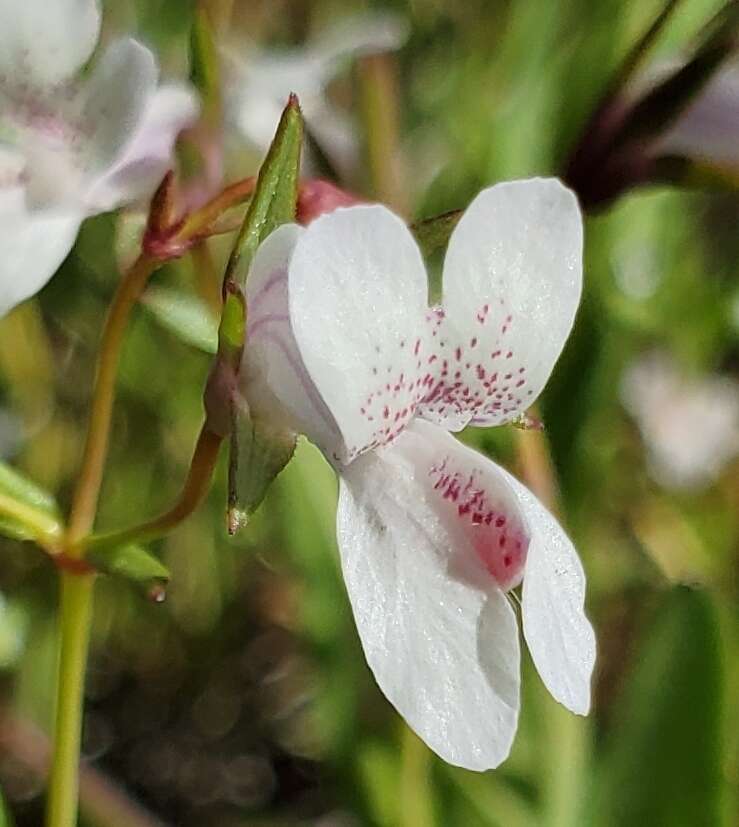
[[690, 425], [259, 82], [342, 345], [72, 147]]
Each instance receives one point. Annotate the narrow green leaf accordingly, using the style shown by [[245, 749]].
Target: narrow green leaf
[[259, 451], [276, 194], [27, 512], [662, 764], [135, 564], [185, 315], [18, 486]]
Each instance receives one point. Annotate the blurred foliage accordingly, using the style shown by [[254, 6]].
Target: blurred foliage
[[244, 699]]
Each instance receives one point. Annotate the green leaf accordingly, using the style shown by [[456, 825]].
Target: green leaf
[[185, 315], [18, 486], [135, 564], [259, 451], [31, 510], [275, 197], [663, 762]]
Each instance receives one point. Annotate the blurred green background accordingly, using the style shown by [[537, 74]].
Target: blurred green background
[[244, 699]]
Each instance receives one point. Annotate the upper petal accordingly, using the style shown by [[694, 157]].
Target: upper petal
[[438, 634], [275, 380], [357, 303], [557, 631], [45, 42], [112, 103], [33, 245], [143, 162], [512, 281]]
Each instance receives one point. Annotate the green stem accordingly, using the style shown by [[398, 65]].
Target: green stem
[[84, 504], [76, 613]]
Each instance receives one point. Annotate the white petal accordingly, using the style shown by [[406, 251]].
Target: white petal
[[45, 42], [512, 280], [148, 155], [33, 245], [709, 127], [357, 35], [276, 383], [439, 636], [557, 631], [357, 302], [112, 103]]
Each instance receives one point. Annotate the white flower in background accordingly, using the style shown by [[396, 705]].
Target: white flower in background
[[259, 82], [70, 146], [690, 425], [342, 344]]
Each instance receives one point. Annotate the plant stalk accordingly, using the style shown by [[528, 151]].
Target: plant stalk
[[84, 503], [75, 617]]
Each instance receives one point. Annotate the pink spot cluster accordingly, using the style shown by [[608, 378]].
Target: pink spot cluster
[[500, 545], [393, 401], [472, 380]]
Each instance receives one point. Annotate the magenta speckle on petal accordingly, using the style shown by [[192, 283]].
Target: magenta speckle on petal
[[499, 546]]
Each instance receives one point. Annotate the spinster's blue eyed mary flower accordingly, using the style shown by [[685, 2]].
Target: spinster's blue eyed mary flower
[[259, 81], [71, 147], [344, 347]]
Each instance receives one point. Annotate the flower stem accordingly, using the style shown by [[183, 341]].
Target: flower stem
[[193, 492], [87, 491], [76, 613]]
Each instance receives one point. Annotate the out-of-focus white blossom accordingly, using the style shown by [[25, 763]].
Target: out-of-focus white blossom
[[259, 82], [690, 425], [72, 146]]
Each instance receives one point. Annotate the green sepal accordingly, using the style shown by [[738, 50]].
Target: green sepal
[[276, 195], [134, 564], [184, 315], [432, 234], [260, 449]]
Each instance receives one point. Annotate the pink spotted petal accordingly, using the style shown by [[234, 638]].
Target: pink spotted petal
[[358, 294], [437, 631], [512, 281]]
